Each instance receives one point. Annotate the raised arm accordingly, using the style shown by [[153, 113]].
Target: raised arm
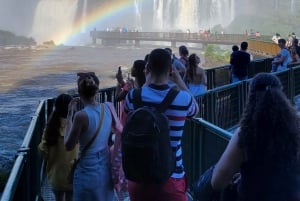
[[75, 126]]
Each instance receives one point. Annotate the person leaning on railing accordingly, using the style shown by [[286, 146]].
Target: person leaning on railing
[[265, 148]]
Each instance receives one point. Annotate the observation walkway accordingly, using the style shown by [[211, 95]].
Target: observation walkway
[[221, 109], [262, 45]]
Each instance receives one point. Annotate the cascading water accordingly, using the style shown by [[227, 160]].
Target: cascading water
[[53, 19], [158, 9], [138, 16], [83, 17], [187, 17], [192, 14]]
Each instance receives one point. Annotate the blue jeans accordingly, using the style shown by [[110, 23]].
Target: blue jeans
[[92, 178]]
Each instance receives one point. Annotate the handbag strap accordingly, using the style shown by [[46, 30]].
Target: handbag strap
[[96, 133]]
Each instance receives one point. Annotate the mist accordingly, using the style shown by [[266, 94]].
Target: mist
[[56, 20]]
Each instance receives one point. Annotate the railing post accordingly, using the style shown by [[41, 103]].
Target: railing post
[[26, 187]]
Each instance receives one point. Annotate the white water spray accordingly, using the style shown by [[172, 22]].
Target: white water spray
[[83, 17], [192, 14], [158, 8], [138, 16], [53, 20]]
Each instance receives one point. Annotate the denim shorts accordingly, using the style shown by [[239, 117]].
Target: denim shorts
[[92, 178]]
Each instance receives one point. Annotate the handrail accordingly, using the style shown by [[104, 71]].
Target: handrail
[[22, 161], [13, 180], [198, 154], [218, 131], [29, 133]]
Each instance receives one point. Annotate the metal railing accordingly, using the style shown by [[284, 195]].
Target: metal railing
[[203, 141]]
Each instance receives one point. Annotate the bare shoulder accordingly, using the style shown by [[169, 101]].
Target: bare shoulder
[[81, 117]]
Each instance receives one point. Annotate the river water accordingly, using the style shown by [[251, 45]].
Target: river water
[[28, 75]]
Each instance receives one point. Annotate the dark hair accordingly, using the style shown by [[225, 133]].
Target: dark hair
[[159, 62], [281, 41], [146, 58], [235, 48], [88, 84], [137, 71], [244, 45], [192, 66], [169, 50], [183, 50], [269, 126], [295, 42], [52, 131]]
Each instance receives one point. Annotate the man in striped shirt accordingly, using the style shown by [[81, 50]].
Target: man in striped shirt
[[158, 72]]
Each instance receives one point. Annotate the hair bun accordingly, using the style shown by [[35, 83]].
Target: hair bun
[[89, 81]]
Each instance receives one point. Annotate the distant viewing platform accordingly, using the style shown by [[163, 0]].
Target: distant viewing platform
[[261, 45]]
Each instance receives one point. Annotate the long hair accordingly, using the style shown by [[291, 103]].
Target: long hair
[[193, 62], [54, 123], [269, 125], [137, 71]]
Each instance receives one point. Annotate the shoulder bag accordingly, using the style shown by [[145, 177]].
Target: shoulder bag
[[74, 162]]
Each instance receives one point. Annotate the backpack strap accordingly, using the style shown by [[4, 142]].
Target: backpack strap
[[171, 95], [162, 107], [137, 98]]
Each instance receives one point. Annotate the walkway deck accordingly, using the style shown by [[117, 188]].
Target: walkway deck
[[48, 195]]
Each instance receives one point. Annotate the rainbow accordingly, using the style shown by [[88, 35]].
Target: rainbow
[[106, 10]]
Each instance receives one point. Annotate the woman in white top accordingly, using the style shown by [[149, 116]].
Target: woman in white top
[[92, 178]]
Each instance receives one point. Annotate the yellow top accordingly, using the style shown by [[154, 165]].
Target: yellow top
[[58, 160]]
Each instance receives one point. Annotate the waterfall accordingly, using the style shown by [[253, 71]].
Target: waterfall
[[83, 17], [168, 16], [192, 14], [292, 6], [158, 9], [221, 13], [138, 16], [187, 17], [53, 20]]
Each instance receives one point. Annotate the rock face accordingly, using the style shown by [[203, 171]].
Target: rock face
[[7, 39]]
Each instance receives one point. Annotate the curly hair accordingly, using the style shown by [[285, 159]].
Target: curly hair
[[269, 126], [54, 123]]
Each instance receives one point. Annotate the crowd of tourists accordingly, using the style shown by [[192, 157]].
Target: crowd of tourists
[[145, 156], [289, 52]]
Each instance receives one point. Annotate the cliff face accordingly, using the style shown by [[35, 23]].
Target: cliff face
[[7, 38], [17, 16]]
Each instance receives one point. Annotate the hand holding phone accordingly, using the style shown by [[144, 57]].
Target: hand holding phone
[[119, 76]]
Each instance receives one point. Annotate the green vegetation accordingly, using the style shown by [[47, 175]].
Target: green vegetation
[[7, 38], [215, 56]]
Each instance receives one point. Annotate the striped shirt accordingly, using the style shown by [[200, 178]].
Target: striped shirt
[[182, 107]]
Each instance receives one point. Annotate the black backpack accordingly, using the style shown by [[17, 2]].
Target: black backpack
[[147, 155]]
